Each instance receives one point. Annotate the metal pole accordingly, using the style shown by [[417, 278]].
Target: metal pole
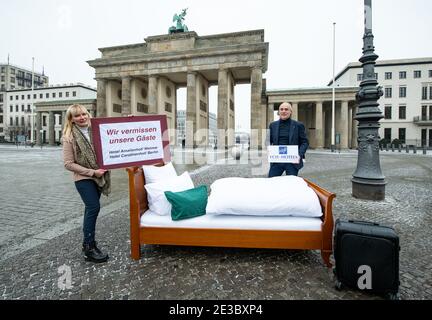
[[333, 92], [32, 107], [368, 181]]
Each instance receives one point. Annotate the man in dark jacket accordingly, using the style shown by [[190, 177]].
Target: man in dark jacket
[[287, 131]]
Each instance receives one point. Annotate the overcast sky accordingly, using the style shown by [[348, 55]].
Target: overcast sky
[[63, 34]]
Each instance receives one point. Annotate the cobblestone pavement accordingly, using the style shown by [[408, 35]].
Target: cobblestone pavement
[[40, 227]]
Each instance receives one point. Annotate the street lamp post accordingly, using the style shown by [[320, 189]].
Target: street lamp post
[[32, 107], [333, 147], [368, 182]]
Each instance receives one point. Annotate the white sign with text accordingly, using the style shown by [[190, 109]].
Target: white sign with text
[[283, 154], [131, 142]]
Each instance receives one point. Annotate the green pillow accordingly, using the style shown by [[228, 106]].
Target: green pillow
[[187, 204]]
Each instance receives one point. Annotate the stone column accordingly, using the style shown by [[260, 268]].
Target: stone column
[[152, 94], [126, 96], [222, 113], [191, 113], [354, 128], [270, 114], [256, 89], [38, 127], [294, 114], [344, 125], [319, 133], [51, 124], [101, 107]]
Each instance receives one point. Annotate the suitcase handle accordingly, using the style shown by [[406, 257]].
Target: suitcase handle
[[364, 222]]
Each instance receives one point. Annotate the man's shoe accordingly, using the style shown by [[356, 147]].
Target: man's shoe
[[93, 254]]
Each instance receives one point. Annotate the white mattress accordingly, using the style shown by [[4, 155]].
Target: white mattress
[[150, 219]]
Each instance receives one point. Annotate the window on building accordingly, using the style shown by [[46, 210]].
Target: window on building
[[388, 92], [22, 121], [1, 97], [424, 113], [387, 112], [402, 112], [44, 122], [359, 77], [11, 98], [47, 95], [60, 94], [11, 108], [28, 97], [12, 70], [53, 94], [417, 74], [424, 92], [28, 108], [402, 74], [16, 121], [12, 79], [430, 137], [2, 69], [34, 96], [2, 78], [423, 137], [388, 75], [22, 97], [67, 94], [376, 76], [402, 92], [430, 92], [430, 73], [387, 135], [430, 112], [402, 132], [11, 121], [74, 93], [16, 108], [17, 97], [22, 108], [1, 119]]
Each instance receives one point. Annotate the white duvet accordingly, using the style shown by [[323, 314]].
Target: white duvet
[[277, 196]]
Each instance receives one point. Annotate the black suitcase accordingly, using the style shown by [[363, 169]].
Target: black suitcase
[[367, 257]]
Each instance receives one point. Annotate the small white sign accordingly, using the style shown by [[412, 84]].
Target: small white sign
[[131, 142], [283, 154]]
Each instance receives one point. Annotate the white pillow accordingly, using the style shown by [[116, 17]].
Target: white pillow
[[277, 196], [157, 174], [157, 201]]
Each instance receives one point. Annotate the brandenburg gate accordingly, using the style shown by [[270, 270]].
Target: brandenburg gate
[[143, 78]]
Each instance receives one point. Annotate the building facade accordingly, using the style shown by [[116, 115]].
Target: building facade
[[143, 79], [13, 77], [18, 110], [181, 129], [407, 100]]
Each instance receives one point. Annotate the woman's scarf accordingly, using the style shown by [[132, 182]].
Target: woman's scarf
[[86, 157]]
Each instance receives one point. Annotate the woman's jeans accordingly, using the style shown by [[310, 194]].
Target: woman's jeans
[[90, 195]]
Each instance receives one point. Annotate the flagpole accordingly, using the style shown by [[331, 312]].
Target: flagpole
[[32, 106], [333, 93]]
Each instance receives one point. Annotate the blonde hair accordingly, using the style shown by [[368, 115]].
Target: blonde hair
[[72, 111]]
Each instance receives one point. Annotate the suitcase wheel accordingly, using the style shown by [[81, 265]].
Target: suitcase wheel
[[393, 296], [338, 285]]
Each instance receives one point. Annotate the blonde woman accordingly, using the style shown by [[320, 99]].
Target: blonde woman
[[90, 181]]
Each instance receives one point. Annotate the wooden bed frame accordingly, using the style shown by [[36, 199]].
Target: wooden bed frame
[[319, 240]]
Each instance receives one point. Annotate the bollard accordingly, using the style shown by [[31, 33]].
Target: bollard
[[387, 146], [392, 147], [407, 148], [415, 149], [381, 147], [400, 148], [424, 149]]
